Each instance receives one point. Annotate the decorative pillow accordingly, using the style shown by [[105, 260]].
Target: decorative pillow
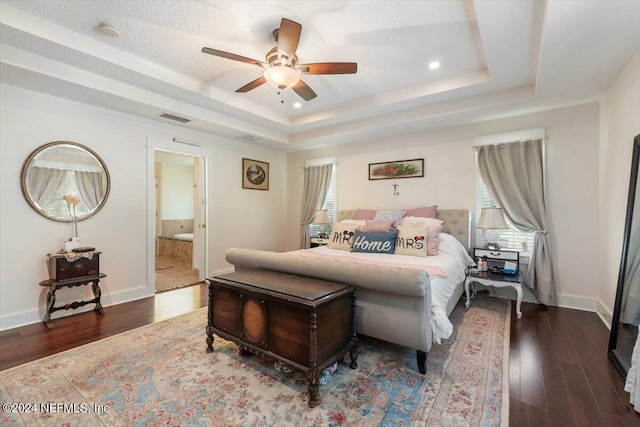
[[374, 242], [411, 241], [342, 236], [380, 226], [360, 223], [416, 221], [424, 212], [346, 214], [365, 214], [388, 214], [433, 241]]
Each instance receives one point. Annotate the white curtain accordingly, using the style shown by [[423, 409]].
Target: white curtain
[[632, 384], [316, 184], [91, 187], [514, 176], [43, 183]]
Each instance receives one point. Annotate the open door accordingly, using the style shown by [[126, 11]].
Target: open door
[[200, 215]]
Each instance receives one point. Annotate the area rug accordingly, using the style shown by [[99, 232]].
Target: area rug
[[160, 267], [160, 374]]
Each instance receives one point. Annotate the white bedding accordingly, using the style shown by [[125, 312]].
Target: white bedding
[[452, 259]]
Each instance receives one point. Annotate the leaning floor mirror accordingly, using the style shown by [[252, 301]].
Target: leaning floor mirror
[[626, 314]]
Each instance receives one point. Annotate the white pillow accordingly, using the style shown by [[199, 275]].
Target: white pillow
[[418, 221], [411, 241], [342, 236]]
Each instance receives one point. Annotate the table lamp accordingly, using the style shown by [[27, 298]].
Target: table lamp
[[492, 219], [321, 219]]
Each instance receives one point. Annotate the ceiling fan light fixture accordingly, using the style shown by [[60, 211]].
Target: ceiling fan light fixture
[[282, 76]]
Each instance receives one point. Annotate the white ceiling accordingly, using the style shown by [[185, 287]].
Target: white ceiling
[[498, 58]]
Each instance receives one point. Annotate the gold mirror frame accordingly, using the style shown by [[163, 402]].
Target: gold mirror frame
[[63, 146]]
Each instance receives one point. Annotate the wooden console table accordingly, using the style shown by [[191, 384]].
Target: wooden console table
[[305, 323], [54, 285]]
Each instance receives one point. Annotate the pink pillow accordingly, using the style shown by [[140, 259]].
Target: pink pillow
[[366, 214], [433, 232], [424, 212], [379, 226]]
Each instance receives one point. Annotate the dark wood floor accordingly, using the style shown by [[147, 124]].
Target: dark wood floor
[[559, 373]]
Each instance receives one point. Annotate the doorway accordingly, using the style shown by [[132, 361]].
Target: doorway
[[178, 248], [177, 212]]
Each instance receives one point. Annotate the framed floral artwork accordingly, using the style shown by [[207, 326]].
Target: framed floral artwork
[[255, 174], [413, 168]]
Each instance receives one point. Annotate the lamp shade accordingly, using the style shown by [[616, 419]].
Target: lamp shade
[[492, 218], [321, 217]]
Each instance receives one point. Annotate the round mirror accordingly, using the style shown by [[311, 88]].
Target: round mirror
[[65, 180]]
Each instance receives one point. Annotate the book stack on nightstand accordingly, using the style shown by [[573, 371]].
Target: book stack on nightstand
[[318, 241], [503, 270]]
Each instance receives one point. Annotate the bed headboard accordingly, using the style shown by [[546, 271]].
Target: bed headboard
[[457, 222]]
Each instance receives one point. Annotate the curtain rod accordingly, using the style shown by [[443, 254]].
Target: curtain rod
[[475, 147]]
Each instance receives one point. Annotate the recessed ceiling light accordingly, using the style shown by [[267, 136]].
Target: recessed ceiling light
[[107, 30], [434, 65], [297, 105]]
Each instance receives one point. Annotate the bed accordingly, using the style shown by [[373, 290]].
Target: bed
[[402, 299]]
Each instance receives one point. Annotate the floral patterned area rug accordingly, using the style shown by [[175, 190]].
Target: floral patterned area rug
[[160, 374]]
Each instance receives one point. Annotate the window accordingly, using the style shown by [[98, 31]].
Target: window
[[331, 202], [58, 208], [511, 238]]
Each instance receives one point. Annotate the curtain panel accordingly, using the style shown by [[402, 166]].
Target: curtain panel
[[91, 187], [316, 185], [514, 176], [43, 184]]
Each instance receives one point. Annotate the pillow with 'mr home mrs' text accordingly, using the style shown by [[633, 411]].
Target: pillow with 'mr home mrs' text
[[375, 242]]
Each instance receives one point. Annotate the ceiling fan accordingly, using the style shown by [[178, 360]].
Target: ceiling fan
[[281, 68]]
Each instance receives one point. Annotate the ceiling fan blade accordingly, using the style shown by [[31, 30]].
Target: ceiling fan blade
[[252, 85], [233, 56], [304, 91], [329, 68], [289, 36]]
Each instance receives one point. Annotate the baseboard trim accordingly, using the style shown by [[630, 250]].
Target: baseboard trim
[[577, 303], [605, 314], [30, 317]]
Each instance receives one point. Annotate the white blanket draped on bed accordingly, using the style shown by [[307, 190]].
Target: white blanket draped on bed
[[446, 270]]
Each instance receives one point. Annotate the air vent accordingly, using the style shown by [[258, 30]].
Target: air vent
[[176, 118], [247, 138]]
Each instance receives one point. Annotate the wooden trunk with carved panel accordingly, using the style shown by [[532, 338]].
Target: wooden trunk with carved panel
[[306, 323]]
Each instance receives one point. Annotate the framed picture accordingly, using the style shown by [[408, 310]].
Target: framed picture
[[397, 169], [255, 174]]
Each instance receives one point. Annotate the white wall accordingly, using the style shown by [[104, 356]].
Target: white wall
[[237, 217], [449, 182], [620, 123], [177, 191]]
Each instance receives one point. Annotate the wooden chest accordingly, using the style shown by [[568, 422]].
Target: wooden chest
[[306, 323], [64, 267]]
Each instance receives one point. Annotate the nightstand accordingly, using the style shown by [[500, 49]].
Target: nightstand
[[316, 241], [495, 275]]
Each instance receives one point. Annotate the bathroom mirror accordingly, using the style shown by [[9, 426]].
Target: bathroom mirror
[[60, 169], [626, 313]]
